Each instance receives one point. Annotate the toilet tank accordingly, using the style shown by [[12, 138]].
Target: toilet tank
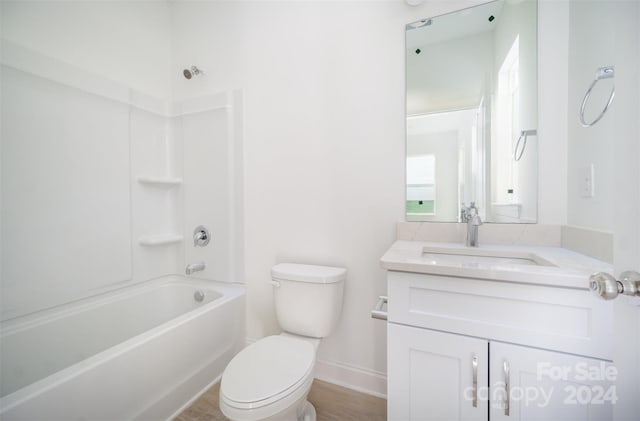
[[308, 298]]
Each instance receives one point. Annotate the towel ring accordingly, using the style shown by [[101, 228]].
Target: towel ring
[[523, 139], [602, 73]]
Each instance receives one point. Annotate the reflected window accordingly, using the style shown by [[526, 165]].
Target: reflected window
[[507, 190], [421, 184]]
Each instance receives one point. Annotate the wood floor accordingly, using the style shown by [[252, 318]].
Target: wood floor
[[332, 403]]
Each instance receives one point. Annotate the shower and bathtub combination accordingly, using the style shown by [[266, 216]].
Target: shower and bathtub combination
[[102, 186]]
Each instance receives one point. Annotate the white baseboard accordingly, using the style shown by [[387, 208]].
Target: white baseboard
[[356, 378]]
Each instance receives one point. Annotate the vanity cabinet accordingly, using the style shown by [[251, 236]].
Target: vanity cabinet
[[548, 385], [457, 347], [431, 375]]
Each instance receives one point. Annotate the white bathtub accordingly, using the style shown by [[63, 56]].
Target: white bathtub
[[142, 352]]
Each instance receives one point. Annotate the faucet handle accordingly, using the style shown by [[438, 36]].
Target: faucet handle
[[464, 213], [201, 236]]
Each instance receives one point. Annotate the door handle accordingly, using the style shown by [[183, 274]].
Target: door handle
[[607, 287]]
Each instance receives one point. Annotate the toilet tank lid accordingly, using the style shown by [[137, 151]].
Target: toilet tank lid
[[308, 273]]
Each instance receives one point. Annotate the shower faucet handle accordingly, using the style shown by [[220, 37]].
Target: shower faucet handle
[[201, 236]]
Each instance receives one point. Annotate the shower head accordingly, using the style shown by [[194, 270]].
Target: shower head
[[191, 71]]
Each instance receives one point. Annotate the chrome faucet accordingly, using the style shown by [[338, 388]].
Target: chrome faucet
[[201, 236], [469, 214], [195, 267]]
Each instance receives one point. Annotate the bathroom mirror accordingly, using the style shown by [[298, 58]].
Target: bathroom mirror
[[471, 108]]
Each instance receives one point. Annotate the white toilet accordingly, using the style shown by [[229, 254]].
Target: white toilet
[[270, 379]]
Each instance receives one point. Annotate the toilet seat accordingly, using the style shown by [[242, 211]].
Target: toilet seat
[[268, 371]]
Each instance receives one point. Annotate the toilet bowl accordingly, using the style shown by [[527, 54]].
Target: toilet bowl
[[270, 379]]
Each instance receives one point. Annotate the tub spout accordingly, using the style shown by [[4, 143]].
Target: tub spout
[[195, 267]]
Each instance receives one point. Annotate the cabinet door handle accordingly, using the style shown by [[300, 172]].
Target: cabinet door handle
[[507, 391], [474, 365]]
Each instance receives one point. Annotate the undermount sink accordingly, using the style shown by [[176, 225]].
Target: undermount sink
[[478, 256]]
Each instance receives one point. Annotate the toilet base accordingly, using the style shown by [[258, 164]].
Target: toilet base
[[308, 412], [304, 412]]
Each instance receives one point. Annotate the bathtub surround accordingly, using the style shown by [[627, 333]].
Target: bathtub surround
[[87, 135], [117, 200], [71, 50]]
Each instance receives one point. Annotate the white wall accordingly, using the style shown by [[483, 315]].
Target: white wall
[[126, 41], [323, 92], [553, 76], [445, 147], [590, 50], [450, 75], [448, 136]]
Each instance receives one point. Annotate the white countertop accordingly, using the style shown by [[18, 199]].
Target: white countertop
[[570, 270]]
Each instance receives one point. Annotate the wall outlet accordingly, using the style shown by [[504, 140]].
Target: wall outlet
[[587, 181]]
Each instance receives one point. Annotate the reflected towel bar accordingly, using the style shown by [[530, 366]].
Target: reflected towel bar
[[523, 139]]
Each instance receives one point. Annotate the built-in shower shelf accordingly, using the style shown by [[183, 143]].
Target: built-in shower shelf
[[161, 182], [159, 240]]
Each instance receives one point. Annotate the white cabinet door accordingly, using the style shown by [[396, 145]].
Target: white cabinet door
[[431, 375], [548, 386]]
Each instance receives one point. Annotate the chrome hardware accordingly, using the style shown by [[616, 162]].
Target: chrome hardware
[[191, 72], [630, 281], [275, 284], [469, 214], [523, 138], [607, 287], [507, 371], [201, 236], [604, 285], [195, 267], [474, 365], [198, 295], [607, 72], [378, 313]]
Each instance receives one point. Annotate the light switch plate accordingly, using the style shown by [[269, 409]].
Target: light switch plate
[[587, 181]]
